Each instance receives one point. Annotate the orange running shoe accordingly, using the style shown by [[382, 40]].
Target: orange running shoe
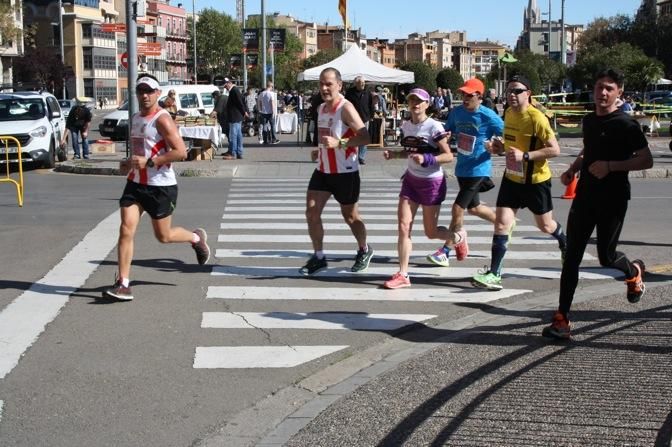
[[635, 285]]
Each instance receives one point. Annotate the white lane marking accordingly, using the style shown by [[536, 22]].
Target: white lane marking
[[411, 294], [350, 254], [24, 319], [263, 200], [230, 357], [417, 229], [303, 189], [364, 196], [371, 239], [1, 405], [304, 180], [333, 214], [427, 272], [356, 321]]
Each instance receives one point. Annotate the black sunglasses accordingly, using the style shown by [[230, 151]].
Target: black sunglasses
[[142, 90], [516, 91]]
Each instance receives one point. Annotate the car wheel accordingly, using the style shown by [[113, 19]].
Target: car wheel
[[50, 163], [250, 131]]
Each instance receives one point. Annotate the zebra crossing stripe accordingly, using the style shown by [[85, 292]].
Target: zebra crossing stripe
[[301, 226], [372, 239], [359, 321], [294, 201], [448, 273], [326, 216], [236, 357], [392, 254], [411, 294], [364, 196]]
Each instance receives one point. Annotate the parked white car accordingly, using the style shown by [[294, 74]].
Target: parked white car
[[36, 120]]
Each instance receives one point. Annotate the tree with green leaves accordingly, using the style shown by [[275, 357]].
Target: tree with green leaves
[[638, 69], [39, 68], [218, 37], [449, 78], [8, 29], [425, 76]]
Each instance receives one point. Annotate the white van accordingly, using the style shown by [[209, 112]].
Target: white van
[[193, 99]]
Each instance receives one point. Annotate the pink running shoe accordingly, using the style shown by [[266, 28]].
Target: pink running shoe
[[462, 249], [397, 281]]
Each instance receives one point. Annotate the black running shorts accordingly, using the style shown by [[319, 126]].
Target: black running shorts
[[468, 196], [158, 201], [536, 197], [344, 187]]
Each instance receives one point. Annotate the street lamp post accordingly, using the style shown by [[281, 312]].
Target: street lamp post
[[60, 30]]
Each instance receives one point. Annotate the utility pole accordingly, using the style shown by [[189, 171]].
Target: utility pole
[[193, 22], [563, 41], [550, 29], [263, 44], [132, 51], [60, 28], [242, 17]]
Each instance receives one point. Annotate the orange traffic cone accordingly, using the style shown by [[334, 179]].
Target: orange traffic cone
[[570, 191]]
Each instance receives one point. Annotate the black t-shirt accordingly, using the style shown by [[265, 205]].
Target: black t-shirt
[[612, 137], [78, 117], [235, 106], [362, 101]]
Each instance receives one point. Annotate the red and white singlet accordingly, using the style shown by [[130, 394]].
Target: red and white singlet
[[330, 123], [146, 141]]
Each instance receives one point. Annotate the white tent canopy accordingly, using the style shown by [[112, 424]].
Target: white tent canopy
[[354, 63]]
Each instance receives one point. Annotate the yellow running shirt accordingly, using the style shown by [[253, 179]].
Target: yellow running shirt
[[519, 127]]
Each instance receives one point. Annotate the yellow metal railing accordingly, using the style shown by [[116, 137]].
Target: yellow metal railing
[[7, 148]]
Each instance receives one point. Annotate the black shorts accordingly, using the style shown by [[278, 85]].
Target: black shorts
[[158, 201], [344, 187], [468, 196], [536, 196]]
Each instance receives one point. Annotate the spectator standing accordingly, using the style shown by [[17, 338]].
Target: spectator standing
[[219, 111], [448, 99], [361, 98], [613, 145], [235, 113], [268, 109], [489, 100], [337, 173], [151, 185], [77, 125], [529, 141]]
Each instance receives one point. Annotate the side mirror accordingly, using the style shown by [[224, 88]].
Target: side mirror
[[55, 114]]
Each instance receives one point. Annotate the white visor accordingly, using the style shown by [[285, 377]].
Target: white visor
[[151, 83]]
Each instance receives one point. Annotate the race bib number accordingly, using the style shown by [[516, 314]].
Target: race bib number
[[138, 144], [322, 132], [466, 144], [514, 167]]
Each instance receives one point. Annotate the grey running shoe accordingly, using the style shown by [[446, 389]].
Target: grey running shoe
[[118, 292], [362, 260], [313, 266], [201, 247]]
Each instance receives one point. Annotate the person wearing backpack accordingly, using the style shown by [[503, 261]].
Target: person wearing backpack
[[77, 124]]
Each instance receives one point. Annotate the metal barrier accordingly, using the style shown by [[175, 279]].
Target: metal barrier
[[7, 148]]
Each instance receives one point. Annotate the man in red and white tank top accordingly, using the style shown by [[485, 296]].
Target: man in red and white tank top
[[151, 185], [340, 132]]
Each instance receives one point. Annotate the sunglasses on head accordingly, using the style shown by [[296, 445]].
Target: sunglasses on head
[[516, 91]]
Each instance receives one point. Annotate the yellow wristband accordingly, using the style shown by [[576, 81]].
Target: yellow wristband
[[342, 143]]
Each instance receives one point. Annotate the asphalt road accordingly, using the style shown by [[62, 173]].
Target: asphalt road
[[122, 374]]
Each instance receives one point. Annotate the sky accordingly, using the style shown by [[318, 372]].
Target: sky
[[496, 20]]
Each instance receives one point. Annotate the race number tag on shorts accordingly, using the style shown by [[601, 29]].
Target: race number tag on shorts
[[138, 146], [514, 167], [465, 143]]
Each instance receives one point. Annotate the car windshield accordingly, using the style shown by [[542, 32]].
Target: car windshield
[[26, 109], [65, 103]]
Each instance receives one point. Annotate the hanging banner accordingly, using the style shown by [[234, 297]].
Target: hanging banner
[[276, 39], [250, 39]]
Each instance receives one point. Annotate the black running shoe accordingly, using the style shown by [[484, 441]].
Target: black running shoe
[[362, 260], [119, 292], [313, 266], [201, 247]]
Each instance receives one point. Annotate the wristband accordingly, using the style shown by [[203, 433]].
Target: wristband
[[342, 143], [428, 160], [526, 156]]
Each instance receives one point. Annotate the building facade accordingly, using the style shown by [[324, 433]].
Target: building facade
[[485, 56], [11, 46]]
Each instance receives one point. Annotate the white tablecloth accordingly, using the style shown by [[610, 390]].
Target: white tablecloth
[[286, 123], [212, 133]]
